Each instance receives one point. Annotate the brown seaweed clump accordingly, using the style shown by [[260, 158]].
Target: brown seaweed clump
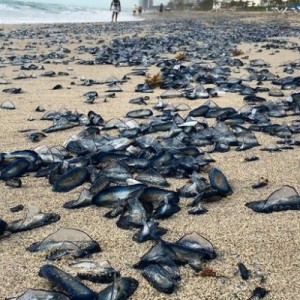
[[210, 272], [180, 56], [154, 81], [237, 52]]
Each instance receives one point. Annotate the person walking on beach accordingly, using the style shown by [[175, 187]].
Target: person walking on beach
[[134, 9], [140, 9], [116, 8], [161, 8]]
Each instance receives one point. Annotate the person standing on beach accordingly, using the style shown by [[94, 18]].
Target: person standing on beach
[[116, 8]]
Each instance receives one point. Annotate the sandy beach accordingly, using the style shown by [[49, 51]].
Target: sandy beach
[[268, 244]]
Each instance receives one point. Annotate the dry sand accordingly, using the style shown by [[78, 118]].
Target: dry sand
[[268, 245]]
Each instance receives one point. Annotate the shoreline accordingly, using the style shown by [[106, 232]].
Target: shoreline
[[155, 16]]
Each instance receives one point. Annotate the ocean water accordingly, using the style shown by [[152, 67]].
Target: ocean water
[[19, 12]]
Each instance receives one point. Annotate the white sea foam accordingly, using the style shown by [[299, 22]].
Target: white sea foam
[[19, 12]]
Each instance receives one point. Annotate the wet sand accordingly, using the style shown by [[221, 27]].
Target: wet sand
[[268, 244]]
